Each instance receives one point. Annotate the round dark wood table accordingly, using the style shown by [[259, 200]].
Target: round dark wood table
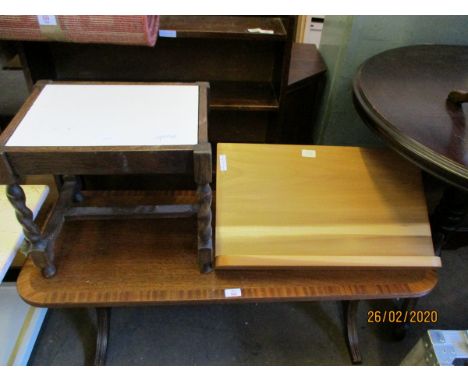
[[415, 98]]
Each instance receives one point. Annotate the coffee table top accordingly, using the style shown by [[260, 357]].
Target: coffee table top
[[281, 206], [134, 262], [72, 115], [402, 94]]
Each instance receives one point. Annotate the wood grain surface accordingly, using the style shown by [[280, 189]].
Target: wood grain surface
[[345, 207], [127, 262], [306, 62], [402, 95], [223, 27]]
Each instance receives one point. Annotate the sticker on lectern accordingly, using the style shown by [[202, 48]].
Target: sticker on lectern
[[223, 162], [309, 153]]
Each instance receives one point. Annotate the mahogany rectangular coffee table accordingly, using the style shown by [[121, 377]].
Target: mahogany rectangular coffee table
[[75, 128], [101, 265]]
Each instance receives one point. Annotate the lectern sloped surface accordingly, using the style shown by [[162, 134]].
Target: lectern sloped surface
[[318, 206]]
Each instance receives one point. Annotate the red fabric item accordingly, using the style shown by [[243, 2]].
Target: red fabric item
[[125, 30]]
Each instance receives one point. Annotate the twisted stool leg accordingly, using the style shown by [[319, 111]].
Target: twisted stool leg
[[203, 175], [34, 244], [205, 243]]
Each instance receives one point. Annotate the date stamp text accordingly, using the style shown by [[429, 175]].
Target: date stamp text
[[399, 316]]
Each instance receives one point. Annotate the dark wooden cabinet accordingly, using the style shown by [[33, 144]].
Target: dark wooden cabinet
[[301, 102]]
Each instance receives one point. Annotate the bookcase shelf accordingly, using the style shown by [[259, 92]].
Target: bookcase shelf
[[224, 27], [248, 96]]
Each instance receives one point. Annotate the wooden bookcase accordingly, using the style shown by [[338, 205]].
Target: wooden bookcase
[[249, 73]]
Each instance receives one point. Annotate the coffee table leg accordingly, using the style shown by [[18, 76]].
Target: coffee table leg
[[350, 315], [102, 338], [400, 329], [448, 216], [34, 245]]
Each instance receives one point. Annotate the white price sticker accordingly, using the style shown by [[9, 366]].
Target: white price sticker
[[223, 162], [236, 292], [309, 153], [47, 20]]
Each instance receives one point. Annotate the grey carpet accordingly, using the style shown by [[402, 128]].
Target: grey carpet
[[248, 334]]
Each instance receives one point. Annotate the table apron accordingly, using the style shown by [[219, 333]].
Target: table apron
[[102, 163]]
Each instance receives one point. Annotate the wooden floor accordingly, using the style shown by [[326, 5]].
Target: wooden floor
[[130, 262]]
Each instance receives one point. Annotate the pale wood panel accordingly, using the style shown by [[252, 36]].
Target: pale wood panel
[[300, 29], [19, 327], [11, 233], [336, 206]]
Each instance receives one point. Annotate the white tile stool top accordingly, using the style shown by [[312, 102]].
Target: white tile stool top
[[74, 115]]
